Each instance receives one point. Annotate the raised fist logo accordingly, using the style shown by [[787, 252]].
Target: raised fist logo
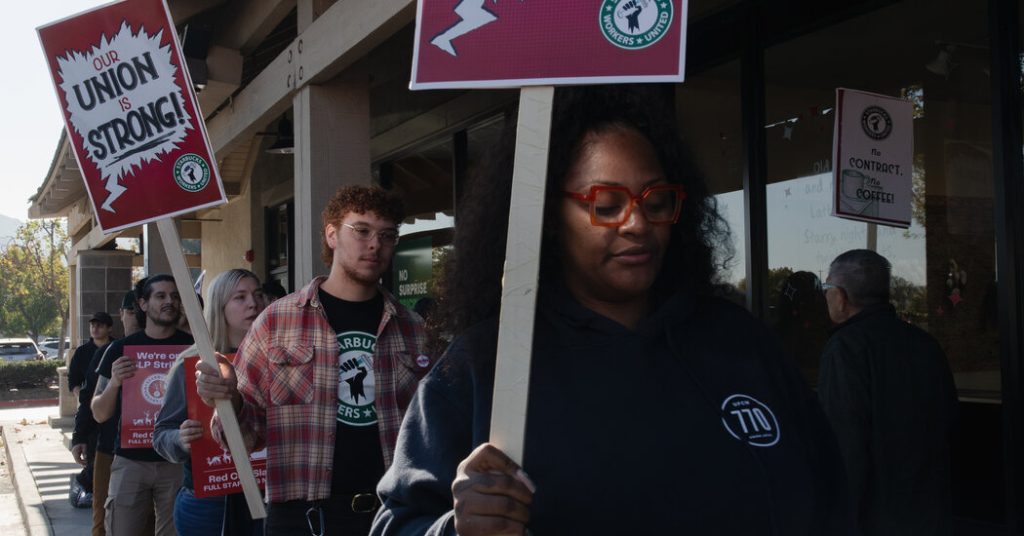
[[355, 382]]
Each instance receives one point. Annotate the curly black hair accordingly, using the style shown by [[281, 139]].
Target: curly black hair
[[470, 283]]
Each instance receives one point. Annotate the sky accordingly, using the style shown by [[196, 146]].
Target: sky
[[30, 105]]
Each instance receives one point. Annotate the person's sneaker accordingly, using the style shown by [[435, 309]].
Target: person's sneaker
[[74, 491]]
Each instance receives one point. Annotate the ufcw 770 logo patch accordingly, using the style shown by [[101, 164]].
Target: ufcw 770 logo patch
[[749, 420], [635, 24]]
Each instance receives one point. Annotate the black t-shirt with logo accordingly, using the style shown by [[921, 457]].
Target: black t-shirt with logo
[[358, 458], [115, 351]]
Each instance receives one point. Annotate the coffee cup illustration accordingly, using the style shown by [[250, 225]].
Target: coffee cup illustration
[[852, 186]]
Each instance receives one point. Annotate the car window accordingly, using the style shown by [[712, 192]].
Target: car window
[[15, 348]]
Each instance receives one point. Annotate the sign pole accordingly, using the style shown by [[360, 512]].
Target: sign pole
[[201, 334], [522, 269]]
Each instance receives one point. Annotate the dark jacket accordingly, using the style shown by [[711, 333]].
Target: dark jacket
[[85, 426], [694, 423], [886, 387], [79, 365]]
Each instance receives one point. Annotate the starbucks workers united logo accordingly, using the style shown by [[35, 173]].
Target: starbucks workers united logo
[[635, 24], [191, 172], [356, 379]]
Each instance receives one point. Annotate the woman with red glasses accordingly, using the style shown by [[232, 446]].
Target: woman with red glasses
[[654, 407]]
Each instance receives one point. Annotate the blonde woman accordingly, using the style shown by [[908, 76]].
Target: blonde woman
[[233, 301]]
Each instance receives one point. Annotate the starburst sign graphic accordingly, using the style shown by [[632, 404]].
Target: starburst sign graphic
[[123, 101]]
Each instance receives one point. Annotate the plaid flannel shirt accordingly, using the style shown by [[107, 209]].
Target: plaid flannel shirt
[[287, 368]]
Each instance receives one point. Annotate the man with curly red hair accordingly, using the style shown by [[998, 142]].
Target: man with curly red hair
[[324, 375]]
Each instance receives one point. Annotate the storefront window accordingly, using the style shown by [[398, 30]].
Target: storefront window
[[944, 264], [708, 110]]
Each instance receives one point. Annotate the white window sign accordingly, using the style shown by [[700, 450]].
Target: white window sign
[[873, 151]]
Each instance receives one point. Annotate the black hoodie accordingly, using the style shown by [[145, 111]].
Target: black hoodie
[[692, 423]]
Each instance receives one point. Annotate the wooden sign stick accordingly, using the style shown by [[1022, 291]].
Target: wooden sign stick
[[201, 334], [522, 269]]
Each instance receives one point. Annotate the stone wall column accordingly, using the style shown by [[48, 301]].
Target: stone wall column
[[99, 281], [332, 149]]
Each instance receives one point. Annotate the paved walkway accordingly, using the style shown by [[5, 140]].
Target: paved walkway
[[41, 466]]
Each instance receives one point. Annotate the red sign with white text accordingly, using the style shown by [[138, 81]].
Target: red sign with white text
[[131, 113], [142, 395], [514, 43], [213, 471]]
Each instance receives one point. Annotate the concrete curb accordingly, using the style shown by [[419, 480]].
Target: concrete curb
[[29, 501], [28, 403]]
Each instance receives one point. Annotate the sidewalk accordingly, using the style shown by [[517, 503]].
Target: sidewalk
[[40, 463]]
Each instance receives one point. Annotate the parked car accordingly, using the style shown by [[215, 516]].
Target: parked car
[[20, 350], [51, 346]]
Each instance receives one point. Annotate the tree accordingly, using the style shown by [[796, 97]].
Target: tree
[[776, 278], [34, 280], [910, 300]]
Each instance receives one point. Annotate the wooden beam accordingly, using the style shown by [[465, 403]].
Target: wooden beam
[[233, 189], [334, 41], [224, 77], [345, 33], [460, 111], [310, 10], [95, 239], [183, 10], [79, 216], [262, 101], [248, 22]]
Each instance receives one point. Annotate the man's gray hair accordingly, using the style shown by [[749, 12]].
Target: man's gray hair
[[864, 275]]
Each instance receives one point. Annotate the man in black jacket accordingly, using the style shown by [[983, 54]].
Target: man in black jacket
[[887, 389], [84, 445]]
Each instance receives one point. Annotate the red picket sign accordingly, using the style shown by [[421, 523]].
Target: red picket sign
[[213, 470], [142, 395], [131, 113], [515, 43]]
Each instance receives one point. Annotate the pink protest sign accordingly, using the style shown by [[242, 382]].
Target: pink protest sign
[[213, 469], [513, 43], [142, 395], [131, 113]]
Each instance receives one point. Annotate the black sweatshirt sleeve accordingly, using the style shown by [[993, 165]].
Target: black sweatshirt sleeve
[[436, 436]]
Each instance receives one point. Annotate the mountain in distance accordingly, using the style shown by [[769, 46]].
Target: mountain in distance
[[8, 227]]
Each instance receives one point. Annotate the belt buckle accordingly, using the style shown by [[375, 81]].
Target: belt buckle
[[364, 503]]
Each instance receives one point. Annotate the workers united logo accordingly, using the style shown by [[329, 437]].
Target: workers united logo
[[355, 379], [876, 122], [191, 172], [750, 421], [635, 24]]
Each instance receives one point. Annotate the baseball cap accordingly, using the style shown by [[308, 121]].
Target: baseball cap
[[102, 318]]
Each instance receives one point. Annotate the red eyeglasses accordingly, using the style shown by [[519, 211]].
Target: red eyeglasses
[[610, 206]]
